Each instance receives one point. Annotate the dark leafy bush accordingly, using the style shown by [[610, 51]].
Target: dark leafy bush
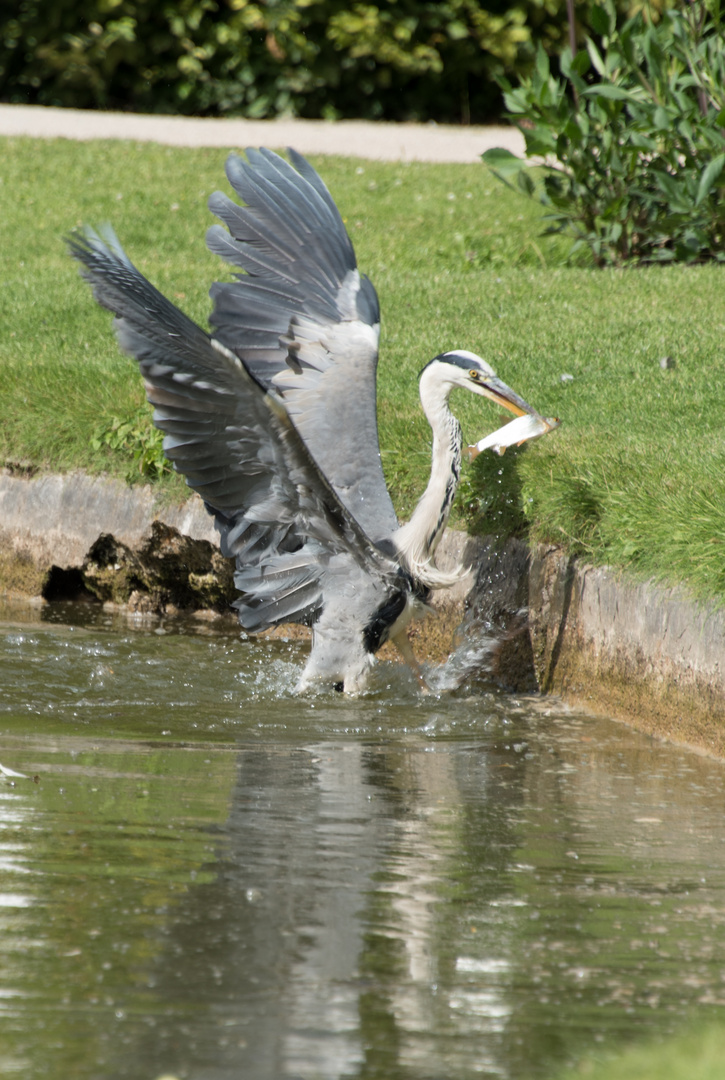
[[395, 59], [633, 137]]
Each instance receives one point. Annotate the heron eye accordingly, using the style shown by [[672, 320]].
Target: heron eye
[[473, 374]]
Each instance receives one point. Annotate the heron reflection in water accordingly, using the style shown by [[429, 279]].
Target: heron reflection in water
[[272, 418]]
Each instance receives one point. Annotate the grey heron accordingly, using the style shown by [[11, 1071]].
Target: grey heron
[[272, 417]]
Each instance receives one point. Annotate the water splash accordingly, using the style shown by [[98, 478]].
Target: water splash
[[473, 659]]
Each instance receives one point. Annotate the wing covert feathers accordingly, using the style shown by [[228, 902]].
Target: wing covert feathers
[[236, 443], [301, 317]]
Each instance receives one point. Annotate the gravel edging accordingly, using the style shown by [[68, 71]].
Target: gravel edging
[[377, 141]]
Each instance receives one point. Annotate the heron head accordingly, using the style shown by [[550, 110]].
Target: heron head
[[471, 372]]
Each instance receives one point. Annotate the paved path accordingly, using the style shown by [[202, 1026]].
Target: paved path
[[353, 138]]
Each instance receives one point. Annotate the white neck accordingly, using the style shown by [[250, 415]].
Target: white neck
[[418, 539]]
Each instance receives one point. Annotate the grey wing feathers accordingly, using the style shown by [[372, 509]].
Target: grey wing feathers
[[288, 232], [235, 443], [303, 319]]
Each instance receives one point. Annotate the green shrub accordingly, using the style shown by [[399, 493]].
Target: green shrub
[[395, 59], [633, 138], [134, 437]]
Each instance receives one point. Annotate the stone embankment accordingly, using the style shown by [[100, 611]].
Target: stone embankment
[[647, 655]]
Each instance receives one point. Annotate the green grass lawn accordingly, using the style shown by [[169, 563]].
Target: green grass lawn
[[635, 476], [697, 1054]]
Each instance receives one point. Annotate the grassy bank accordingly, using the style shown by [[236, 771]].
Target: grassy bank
[[635, 475], [697, 1054]]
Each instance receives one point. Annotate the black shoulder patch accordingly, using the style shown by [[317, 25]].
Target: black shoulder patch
[[375, 633]]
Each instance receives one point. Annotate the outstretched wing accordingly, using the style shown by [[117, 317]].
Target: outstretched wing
[[303, 320], [235, 443]]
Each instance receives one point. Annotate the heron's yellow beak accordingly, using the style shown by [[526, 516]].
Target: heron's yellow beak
[[503, 395]]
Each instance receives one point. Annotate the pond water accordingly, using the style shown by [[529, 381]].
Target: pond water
[[203, 876]]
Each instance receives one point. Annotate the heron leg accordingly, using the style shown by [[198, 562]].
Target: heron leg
[[402, 644]]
